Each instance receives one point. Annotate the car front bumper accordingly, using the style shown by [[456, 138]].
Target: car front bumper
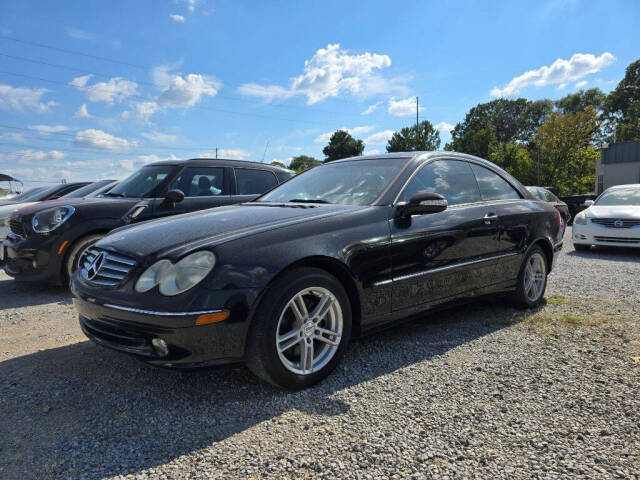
[[32, 259], [132, 331], [594, 234]]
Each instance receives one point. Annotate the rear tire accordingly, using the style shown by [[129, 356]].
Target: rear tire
[[300, 330], [75, 254], [581, 247], [532, 280]]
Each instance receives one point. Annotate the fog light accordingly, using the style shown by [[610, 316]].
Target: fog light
[[160, 345], [34, 264]]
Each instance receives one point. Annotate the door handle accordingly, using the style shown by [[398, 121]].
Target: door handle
[[489, 218]]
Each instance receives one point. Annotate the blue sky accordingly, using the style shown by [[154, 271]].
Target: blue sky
[[96, 89]]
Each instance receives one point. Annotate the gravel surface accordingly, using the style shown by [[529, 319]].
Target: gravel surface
[[483, 391]]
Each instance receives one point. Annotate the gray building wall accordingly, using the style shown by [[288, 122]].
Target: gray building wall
[[618, 164]]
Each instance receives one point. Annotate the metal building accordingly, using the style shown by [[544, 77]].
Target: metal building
[[619, 164]]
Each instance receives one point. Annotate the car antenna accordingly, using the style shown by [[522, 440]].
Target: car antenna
[[265, 151]]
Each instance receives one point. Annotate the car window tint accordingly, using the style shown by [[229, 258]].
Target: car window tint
[[200, 181], [450, 178], [253, 181], [493, 186], [284, 176]]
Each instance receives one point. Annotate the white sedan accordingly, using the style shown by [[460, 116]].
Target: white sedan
[[612, 220]]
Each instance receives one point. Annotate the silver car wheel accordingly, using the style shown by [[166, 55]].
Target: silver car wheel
[[309, 330], [535, 276]]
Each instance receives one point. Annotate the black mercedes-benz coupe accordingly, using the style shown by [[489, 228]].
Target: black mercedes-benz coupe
[[283, 282], [47, 240]]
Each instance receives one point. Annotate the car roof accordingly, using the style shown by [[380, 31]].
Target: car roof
[[620, 187], [222, 162]]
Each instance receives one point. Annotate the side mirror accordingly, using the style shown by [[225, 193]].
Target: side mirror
[[588, 203], [422, 203], [172, 197]]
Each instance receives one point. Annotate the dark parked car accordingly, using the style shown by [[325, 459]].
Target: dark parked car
[[546, 195], [577, 203], [40, 194], [92, 190], [47, 240], [283, 282]]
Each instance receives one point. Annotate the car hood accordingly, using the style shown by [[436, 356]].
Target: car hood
[[207, 228], [78, 202], [614, 211]]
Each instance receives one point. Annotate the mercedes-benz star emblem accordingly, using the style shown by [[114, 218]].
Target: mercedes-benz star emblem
[[618, 224], [95, 266]]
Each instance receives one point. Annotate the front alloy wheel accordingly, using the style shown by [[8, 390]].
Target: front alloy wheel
[[300, 330], [309, 330]]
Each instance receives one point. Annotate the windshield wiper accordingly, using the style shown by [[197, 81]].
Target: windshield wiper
[[308, 200]]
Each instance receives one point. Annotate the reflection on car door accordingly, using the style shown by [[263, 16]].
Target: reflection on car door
[[441, 255]]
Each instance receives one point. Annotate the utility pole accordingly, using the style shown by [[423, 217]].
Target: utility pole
[[539, 167], [216, 153], [265, 151], [417, 110]]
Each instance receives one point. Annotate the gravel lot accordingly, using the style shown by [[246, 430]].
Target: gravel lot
[[483, 391]]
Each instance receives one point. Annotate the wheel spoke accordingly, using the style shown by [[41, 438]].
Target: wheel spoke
[[287, 345], [299, 308], [306, 356], [324, 305], [293, 333], [320, 335]]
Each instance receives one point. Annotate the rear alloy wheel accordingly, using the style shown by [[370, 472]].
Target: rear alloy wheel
[[532, 280], [301, 329]]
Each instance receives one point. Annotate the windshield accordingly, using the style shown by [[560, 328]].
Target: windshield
[[87, 189], [626, 196], [350, 183], [25, 196], [143, 182]]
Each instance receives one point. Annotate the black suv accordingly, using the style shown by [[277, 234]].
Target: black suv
[[47, 240]]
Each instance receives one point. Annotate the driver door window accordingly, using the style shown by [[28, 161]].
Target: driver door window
[[452, 179], [200, 182]]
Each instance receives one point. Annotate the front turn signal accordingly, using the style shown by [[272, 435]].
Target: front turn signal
[[208, 318]]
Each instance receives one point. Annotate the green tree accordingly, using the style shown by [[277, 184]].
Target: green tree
[[421, 137], [567, 154], [342, 145], [623, 105], [499, 121], [303, 162], [575, 102], [516, 159]]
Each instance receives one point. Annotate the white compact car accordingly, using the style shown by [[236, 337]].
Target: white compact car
[[613, 219]]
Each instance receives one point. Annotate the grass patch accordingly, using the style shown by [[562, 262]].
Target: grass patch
[[570, 319], [557, 300]]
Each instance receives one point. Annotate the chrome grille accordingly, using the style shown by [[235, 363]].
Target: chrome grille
[[17, 227], [611, 222], [101, 267]]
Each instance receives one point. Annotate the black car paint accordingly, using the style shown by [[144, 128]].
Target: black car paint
[[103, 214], [560, 205], [391, 267]]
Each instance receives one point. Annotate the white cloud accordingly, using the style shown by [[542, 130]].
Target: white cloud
[[372, 108], [444, 127], [80, 34], [559, 72], [191, 4], [403, 107], [183, 91], [141, 111], [47, 129], [581, 84], [28, 155], [562, 86], [116, 89], [103, 140], [372, 152], [379, 138], [324, 137], [82, 112], [24, 98], [228, 153], [330, 72], [12, 136], [159, 137], [177, 18]]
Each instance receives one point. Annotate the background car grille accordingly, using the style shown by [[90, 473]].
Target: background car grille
[[17, 227], [110, 272], [610, 222], [617, 240]]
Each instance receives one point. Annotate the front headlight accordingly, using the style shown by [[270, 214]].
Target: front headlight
[[581, 219], [175, 279], [50, 219]]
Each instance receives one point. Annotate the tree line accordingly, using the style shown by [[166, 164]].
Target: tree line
[[541, 142]]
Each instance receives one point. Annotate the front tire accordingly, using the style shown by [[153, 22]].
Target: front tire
[[301, 329], [532, 280], [75, 254]]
